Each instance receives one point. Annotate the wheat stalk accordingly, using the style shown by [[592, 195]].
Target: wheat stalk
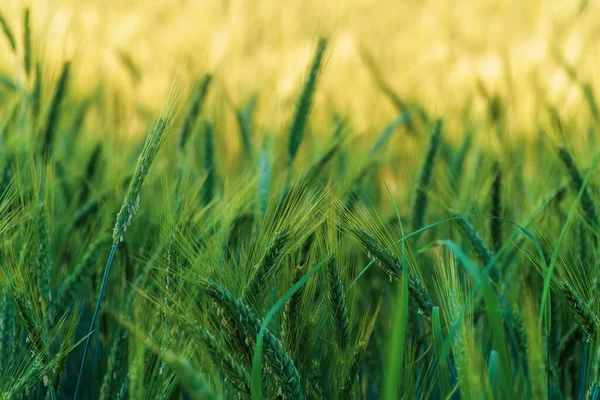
[[234, 371], [130, 206]]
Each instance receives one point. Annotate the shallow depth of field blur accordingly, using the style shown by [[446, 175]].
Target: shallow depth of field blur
[[322, 199], [440, 54]]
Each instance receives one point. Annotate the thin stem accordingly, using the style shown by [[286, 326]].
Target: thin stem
[[87, 340]]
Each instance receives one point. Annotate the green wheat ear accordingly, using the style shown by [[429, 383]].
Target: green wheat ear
[[352, 373], [587, 319], [458, 162], [54, 111], [484, 254], [8, 33], [130, 65], [394, 267], [419, 206], [36, 97], [26, 42], [302, 111], [234, 371], [304, 103], [194, 110], [265, 268], [280, 363], [496, 207], [587, 204], [209, 162], [337, 305], [43, 260], [227, 364], [244, 118], [33, 331], [131, 204]]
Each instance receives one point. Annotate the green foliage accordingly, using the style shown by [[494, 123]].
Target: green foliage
[[219, 289]]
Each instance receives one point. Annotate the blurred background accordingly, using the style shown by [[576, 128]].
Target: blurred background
[[481, 57]]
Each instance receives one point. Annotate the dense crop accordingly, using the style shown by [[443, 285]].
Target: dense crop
[[428, 260]]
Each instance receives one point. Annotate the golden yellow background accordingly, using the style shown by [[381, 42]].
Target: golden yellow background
[[430, 52]]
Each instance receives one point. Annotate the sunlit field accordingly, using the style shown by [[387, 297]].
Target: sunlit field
[[289, 200]]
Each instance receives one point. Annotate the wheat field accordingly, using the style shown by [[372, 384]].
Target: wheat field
[[287, 200]]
